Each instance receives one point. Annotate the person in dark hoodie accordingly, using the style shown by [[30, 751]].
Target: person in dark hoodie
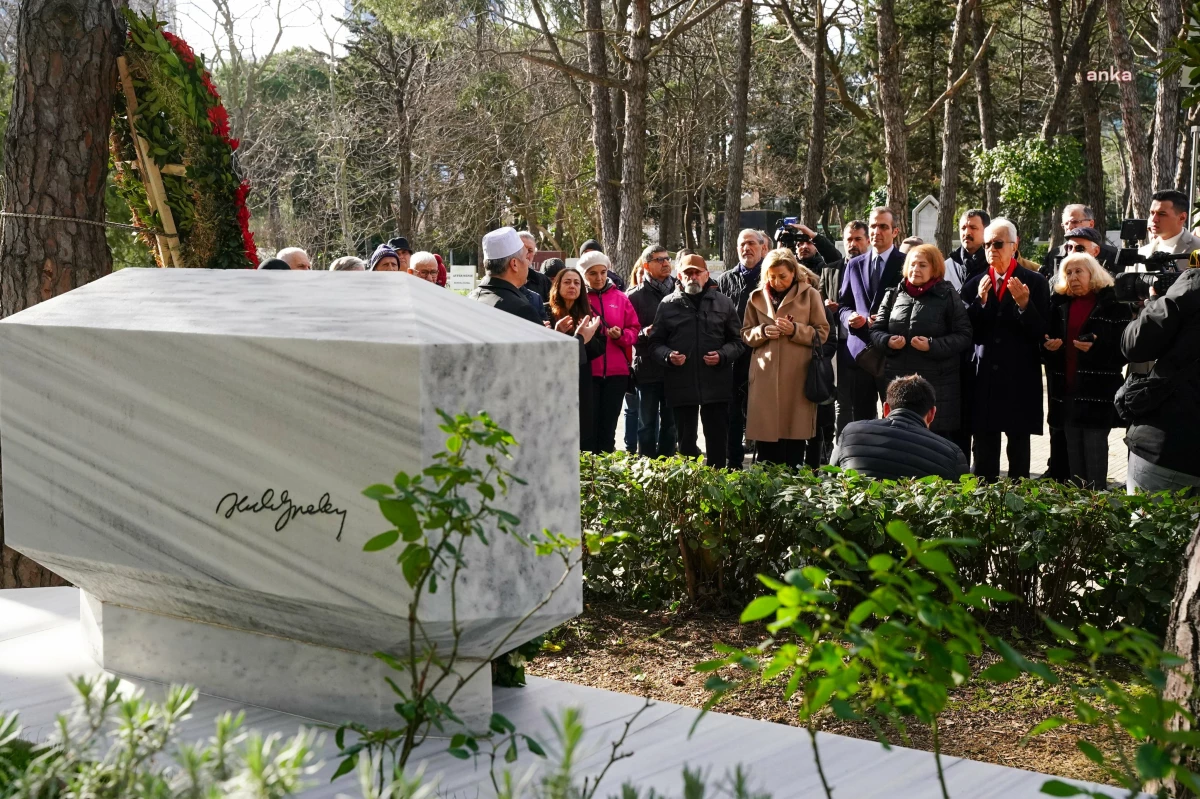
[[697, 336], [656, 421]]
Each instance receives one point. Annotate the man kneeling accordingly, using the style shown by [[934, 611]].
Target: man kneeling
[[901, 444]]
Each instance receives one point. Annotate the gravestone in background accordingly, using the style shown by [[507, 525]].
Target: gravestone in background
[[158, 424], [924, 220]]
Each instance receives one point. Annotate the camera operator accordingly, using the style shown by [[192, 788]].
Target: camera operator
[[1168, 218], [1163, 406]]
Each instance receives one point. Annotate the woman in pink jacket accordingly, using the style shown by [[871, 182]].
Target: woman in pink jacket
[[610, 374]]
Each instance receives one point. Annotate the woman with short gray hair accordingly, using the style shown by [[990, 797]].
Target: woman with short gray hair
[[348, 263]]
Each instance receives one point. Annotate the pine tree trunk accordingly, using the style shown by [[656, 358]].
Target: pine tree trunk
[[56, 163], [984, 103], [1093, 156], [1131, 110], [1166, 102], [737, 139], [891, 106], [633, 160], [813, 196], [952, 131], [604, 140]]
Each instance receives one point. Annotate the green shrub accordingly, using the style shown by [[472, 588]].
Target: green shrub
[[680, 531]]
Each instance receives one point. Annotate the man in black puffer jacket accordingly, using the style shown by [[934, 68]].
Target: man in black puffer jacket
[[1164, 440], [697, 336], [901, 444]]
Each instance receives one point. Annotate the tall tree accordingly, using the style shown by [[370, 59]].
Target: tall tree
[[604, 137], [1066, 69], [56, 164], [952, 130], [984, 102], [737, 139], [888, 71], [1131, 110], [812, 198]]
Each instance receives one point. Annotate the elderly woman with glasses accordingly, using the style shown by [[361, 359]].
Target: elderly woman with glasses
[[1084, 363], [1009, 307]]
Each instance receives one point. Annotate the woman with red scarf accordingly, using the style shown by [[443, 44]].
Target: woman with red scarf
[[1084, 363], [923, 329]]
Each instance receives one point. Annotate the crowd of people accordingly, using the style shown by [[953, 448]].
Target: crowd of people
[[953, 347]]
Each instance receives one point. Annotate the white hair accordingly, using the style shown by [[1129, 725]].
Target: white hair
[[422, 257], [1001, 222], [348, 263], [1084, 211], [287, 252], [527, 236], [592, 258], [758, 234], [1098, 276]]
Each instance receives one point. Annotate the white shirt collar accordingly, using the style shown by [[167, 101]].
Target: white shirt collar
[[1167, 245], [883, 256]]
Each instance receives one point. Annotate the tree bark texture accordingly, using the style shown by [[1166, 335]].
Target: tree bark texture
[[1164, 156], [56, 163], [604, 138], [1093, 156], [1183, 638], [1131, 110], [1056, 113], [812, 198], [891, 107], [633, 156], [984, 103], [952, 130], [737, 139]]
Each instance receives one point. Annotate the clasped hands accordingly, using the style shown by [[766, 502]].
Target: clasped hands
[[919, 343], [782, 327], [1053, 344]]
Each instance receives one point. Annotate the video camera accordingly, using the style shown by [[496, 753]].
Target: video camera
[[785, 236], [1161, 268]]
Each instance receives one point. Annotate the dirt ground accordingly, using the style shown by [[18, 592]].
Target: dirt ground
[[652, 653]]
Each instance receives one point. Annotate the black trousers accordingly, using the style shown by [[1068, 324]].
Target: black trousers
[[962, 437], [716, 432], [1059, 466], [607, 395], [987, 455], [787, 451], [737, 423], [857, 393]]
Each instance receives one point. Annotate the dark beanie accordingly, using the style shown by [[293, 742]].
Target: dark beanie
[[275, 263], [589, 246], [552, 266]]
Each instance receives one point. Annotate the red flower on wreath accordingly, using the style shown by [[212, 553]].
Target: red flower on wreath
[[181, 49], [206, 79], [219, 118], [243, 218]]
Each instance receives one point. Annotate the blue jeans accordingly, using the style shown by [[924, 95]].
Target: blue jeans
[[1150, 477], [631, 422], [656, 422]]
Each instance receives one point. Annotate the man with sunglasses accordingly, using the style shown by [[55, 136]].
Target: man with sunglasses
[[1009, 307]]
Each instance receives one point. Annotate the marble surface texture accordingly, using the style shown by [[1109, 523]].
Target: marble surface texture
[[135, 410]]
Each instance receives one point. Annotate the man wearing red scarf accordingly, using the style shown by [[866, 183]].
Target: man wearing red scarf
[[1008, 306]]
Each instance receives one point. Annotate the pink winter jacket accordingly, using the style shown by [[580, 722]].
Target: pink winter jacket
[[614, 310]]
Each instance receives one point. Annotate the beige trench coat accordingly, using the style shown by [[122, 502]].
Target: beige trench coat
[[777, 407]]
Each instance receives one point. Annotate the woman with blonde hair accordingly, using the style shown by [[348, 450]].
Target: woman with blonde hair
[[1084, 362], [785, 319], [923, 329]]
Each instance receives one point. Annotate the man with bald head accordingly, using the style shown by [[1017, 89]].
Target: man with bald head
[[294, 257], [738, 284], [697, 338]]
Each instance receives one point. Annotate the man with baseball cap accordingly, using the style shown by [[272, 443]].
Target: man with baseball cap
[[507, 270]]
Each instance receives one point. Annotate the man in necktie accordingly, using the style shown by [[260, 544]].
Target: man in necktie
[[864, 282], [1009, 307]]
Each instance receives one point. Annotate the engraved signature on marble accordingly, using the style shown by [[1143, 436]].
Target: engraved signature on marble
[[233, 502]]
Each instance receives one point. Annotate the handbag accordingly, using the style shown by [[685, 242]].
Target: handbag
[[871, 361], [818, 383], [1143, 393]]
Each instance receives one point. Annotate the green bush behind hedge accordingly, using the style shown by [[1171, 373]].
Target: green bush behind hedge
[[682, 531]]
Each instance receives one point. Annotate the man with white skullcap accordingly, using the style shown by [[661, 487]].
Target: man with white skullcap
[[507, 270]]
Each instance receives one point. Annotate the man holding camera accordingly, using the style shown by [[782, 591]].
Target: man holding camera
[[1164, 405]]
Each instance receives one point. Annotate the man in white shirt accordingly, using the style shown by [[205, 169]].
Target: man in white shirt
[[1168, 217]]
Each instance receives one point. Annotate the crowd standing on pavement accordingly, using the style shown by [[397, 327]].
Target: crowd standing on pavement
[[954, 347]]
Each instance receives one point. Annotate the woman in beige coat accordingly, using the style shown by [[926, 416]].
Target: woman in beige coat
[[782, 316]]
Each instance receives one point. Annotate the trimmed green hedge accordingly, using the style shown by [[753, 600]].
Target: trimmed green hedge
[[680, 531]]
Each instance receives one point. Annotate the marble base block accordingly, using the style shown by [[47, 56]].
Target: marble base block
[[316, 682], [190, 448]]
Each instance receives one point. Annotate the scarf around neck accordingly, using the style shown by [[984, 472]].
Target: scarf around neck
[[919, 291]]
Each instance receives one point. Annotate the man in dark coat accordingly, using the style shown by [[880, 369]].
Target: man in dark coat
[[697, 337], [738, 284], [1077, 216], [1164, 440], [656, 420], [964, 263], [866, 280], [507, 270], [1009, 307], [901, 444]]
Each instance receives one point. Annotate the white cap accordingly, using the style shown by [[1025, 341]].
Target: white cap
[[501, 244], [592, 258]]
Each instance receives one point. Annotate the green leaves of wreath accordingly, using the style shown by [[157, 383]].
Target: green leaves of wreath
[[181, 117]]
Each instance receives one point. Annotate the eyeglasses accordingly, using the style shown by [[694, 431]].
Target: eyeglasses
[[426, 273], [1077, 248], [666, 259], [997, 245]]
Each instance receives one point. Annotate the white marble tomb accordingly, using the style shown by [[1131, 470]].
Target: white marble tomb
[[136, 410]]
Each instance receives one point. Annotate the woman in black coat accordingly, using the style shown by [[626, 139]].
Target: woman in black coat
[[1084, 363], [570, 313], [922, 327]]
